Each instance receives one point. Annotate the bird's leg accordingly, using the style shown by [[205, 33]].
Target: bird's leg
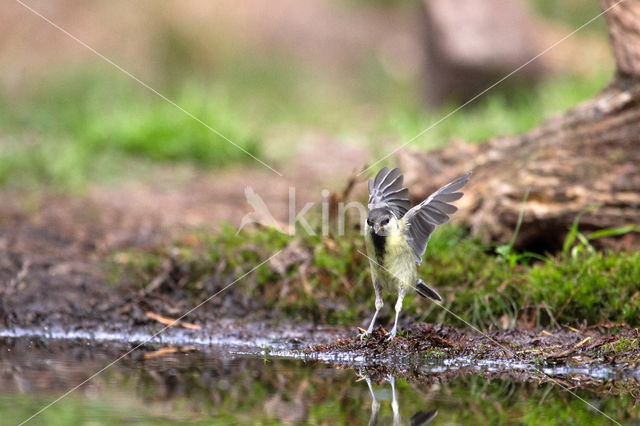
[[394, 330], [394, 401], [375, 405], [395, 407], [379, 305]]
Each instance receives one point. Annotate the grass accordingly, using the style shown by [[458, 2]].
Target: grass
[[621, 346], [76, 127], [500, 112], [478, 284], [573, 12], [90, 126]]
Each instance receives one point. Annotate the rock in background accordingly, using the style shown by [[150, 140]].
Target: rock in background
[[471, 44]]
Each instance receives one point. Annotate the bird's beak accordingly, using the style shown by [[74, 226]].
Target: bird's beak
[[376, 228]]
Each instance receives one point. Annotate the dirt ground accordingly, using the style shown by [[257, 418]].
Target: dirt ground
[[569, 356], [51, 260], [54, 270], [566, 344], [54, 249]]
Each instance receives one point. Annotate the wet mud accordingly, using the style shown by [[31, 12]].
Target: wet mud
[[425, 353]]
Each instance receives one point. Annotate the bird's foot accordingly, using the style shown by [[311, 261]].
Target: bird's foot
[[362, 375], [392, 334], [364, 334]]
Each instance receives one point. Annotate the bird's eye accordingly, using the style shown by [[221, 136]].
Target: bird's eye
[[384, 222], [369, 222]]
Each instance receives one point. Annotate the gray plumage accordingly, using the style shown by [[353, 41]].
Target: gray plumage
[[386, 191], [435, 210], [396, 235]]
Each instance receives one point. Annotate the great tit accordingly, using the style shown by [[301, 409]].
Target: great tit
[[396, 236]]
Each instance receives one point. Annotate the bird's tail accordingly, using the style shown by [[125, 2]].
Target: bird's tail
[[427, 292], [422, 418]]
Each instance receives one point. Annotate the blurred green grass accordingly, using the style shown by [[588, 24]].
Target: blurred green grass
[[572, 12], [88, 126], [499, 112], [81, 125], [78, 127], [91, 124]]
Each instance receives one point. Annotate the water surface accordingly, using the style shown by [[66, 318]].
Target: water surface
[[231, 384]]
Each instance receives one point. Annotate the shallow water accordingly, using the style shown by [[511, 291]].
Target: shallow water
[[240, 382]]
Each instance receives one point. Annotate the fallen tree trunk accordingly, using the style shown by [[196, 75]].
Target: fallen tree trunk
[[583, 162]]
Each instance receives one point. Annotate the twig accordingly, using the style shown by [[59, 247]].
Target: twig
[[172, 322], [169, 350]]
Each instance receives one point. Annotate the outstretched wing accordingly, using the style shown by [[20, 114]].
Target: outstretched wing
[[423, 218], [386, 191]]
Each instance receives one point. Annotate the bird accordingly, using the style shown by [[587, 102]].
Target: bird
[[396, 236], [420, 418]]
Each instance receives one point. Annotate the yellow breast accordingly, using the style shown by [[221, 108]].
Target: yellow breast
[[398, 260]]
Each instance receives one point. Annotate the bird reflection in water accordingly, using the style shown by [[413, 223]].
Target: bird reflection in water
[[418, 419]]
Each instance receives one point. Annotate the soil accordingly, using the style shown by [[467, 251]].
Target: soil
[[51, 261], [55, 249], [179, 199], [430, 354], [566, 346]]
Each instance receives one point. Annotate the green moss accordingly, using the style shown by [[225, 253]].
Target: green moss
[[621, 346], [431, 354], [478, 285]]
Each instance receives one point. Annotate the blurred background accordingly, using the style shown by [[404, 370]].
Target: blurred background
[[315, 89]]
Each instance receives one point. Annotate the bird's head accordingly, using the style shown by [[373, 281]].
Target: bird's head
[[382, 221]]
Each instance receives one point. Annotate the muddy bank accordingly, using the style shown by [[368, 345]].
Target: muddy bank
[[64, 262], [586, 356], [54, 261], [425, 354], [620, 346]]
